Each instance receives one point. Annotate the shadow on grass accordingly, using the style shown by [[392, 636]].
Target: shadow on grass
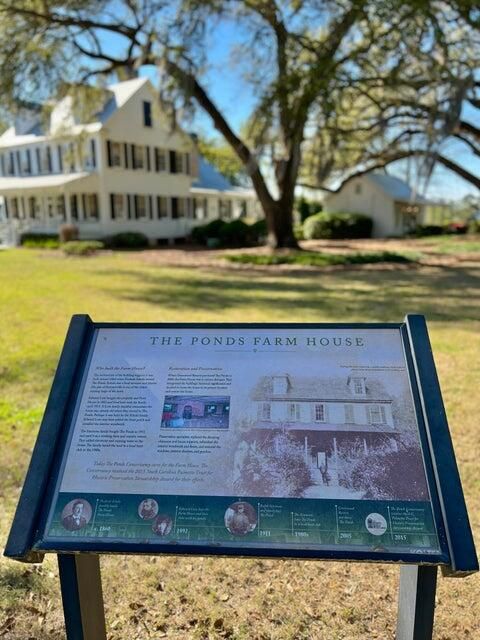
[[441, 293]]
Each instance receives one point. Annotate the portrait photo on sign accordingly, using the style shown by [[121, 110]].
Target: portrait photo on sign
[[162, 525], [148, 509], [240, 518], [76, 514], [196, 412]]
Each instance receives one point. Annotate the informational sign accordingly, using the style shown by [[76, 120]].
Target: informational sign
[[249, 438]]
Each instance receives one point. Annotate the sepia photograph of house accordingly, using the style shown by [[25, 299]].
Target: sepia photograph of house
[[338, 437]]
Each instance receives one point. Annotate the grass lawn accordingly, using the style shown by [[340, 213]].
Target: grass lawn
[[226, 598]]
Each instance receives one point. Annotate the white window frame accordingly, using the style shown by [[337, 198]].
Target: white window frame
[[358, 386], [265, 411], [293, 411], [320, 412], [376, 414], [349, 413]]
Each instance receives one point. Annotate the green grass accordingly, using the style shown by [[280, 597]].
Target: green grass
[[316, 259], [453, 244], [200, 598]]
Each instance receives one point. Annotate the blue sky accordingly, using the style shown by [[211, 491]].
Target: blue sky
[[235, 99]]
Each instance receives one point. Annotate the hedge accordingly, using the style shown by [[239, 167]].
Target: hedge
[[126, 240], [336, 226]]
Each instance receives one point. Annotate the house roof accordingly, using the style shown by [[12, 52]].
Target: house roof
[[320, 389], [396, 188], [210, 179], [40, 182]]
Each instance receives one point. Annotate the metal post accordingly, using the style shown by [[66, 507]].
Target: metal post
[[416, 602], [82, 598]]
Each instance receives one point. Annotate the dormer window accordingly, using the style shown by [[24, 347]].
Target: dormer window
[[358, 386], [147, 114], [280, 385]]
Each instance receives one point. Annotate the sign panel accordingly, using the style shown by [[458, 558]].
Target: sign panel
[[246, 438]]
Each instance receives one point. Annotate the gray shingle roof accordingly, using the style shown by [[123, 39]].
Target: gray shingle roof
[[396, 188], [303, 388]]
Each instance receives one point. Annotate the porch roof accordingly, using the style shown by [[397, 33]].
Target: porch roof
[[36, 183]]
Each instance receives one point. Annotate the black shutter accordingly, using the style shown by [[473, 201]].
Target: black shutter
[[49, 159], [174, 207], [173, 162], [19, 163], [150, 205], [39, 161], [2, 164], [147, 153], [129, 206], [84, 205], [132, 154], [125, 152], [112, 206], [94, 153], [7, 215], [29, 161], [60, 159], [109, 153]]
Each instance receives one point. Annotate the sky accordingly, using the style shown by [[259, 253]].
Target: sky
[[235, 99]]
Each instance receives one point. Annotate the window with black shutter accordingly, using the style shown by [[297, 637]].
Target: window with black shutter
[[147, 114]]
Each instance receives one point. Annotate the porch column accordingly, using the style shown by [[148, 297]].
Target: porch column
[[68, 210], [335, 457], [365, 446]]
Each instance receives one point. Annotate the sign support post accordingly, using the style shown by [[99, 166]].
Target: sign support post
[[82, 598], [416, 602]]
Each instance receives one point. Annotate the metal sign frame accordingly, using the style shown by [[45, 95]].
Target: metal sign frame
[[457, 556]]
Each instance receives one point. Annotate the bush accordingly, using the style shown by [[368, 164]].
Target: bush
[[423, 230], [39, 240], [127, 240], [259, 231], [474, 226], [68, 233], [457, 228], [337, 226], [234, 233], [203, 232], [307, 208], [82, 247]]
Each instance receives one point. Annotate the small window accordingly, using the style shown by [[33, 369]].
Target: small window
[[140, 207], [349, 415], [358, 189], [319, 413], [162, 207], [264, 411], [376, 414], [147, 114], [358, 386], [138, 154], [293, 411], [160, 160]]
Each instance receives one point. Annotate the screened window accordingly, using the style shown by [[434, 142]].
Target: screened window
[[349, 416], [147, 114], [140, 206], [319, 413], [293, 411], [376, 414], [162, 207]]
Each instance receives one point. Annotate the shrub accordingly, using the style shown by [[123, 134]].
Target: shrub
[[307, 208], [203, 232], [39, 240], [457, 228], [82, 247], [233, 233], [127, 240], [423, 230], [68, 233], [259, 231], [336, 226], [474, 226]]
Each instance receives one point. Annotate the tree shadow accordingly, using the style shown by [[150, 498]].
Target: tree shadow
[[446, 294]]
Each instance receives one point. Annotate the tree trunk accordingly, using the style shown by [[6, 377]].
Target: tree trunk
[[279, 225]]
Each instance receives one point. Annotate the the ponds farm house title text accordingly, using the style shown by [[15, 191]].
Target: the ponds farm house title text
[[258, 341]]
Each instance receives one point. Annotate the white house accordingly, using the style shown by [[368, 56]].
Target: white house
[[125, 170], [392, 204], [325, 415]]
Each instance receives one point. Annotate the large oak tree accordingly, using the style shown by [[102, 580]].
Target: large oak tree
[[341, 86]]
